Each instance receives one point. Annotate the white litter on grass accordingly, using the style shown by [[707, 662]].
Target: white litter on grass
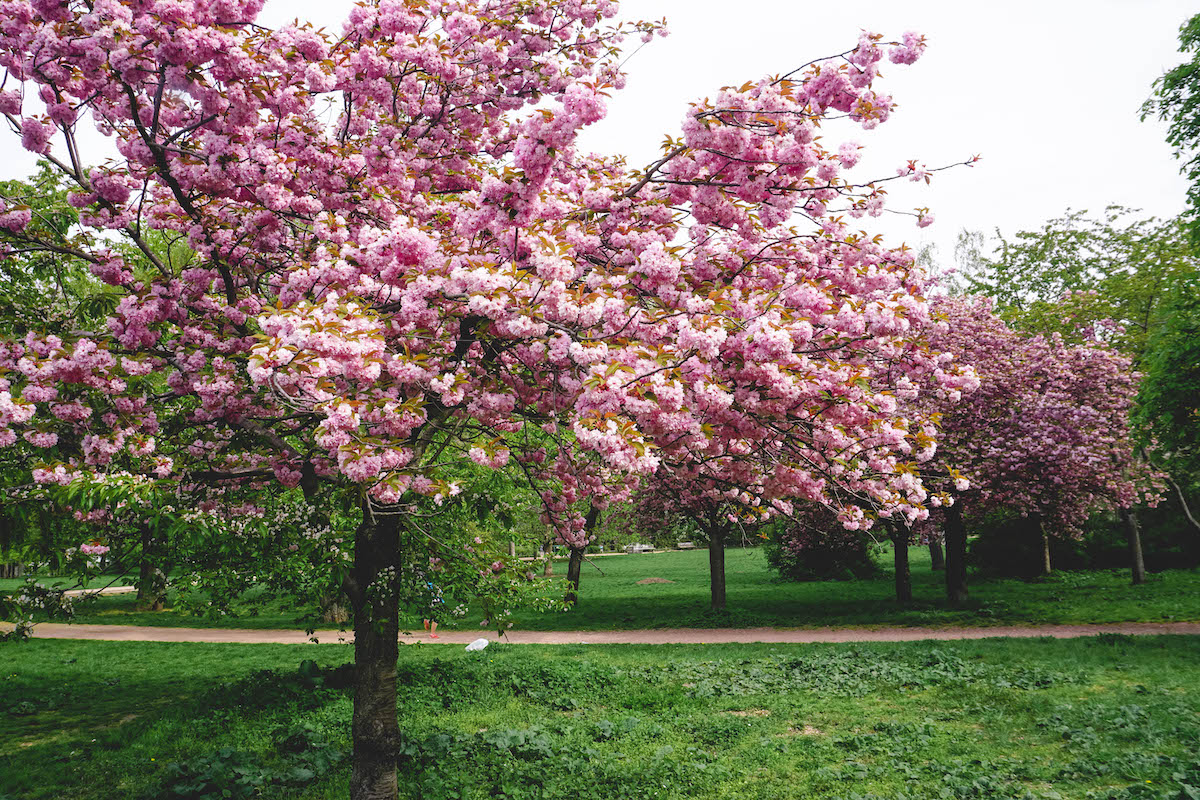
[[478, 644]]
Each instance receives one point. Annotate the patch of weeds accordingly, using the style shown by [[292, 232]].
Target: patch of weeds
[[555, 764], [304, 754], [1128, 722], [1113, 639], [453, 683], [308, 686], [1179, 779], [846, 673], [722, 730]]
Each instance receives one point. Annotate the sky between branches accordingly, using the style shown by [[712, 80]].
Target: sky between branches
[[1048, 92]]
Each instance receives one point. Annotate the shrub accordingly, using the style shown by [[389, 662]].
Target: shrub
[[815, 547]]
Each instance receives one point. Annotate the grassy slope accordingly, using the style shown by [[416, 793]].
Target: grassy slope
[[615, 599], [1112, 716]]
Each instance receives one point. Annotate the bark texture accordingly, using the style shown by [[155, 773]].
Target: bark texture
[[716, 565], [1133, 535], [574, 567], [1047, 566], [899, 535], [374, 591], [937, 556], [956, 556], [152, 576]]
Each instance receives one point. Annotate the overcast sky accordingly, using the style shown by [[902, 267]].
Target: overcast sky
[[1048, 92]]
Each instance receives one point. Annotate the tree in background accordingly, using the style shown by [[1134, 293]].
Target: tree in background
[[1169, 397], [813, 546], [1087, 278], [1176, 100], [1046, 433]]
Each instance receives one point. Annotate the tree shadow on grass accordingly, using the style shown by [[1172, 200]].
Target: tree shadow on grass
[[78, 720]]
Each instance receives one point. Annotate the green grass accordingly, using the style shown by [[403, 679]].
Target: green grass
[[1106, 717], [8, 584], [616, 600]]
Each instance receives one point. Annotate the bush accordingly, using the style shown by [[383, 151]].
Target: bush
[[815, 547]]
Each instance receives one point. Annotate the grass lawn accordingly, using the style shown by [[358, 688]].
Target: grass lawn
[[616, 599], [1106, 717], [8, 584]]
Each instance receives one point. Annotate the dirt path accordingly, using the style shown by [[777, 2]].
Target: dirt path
[[129, 633]]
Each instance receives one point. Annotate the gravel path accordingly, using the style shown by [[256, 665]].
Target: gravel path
[[130, 633]]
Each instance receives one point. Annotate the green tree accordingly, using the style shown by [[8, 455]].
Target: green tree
[[1169, 402], [1176, 100], [1081, 277]]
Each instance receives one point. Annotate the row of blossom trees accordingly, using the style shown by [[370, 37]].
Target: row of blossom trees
[[1047, 433]]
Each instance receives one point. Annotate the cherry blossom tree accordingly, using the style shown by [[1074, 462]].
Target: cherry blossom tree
[[399, 262], [1046, 433]]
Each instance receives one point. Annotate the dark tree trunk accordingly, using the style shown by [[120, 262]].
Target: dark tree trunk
[[575, 564], [574, 567], [1133, 535], [937, 557], [716, 565], [152, 579], [375, 598], [899, 535], [956, 556], [7, 570]]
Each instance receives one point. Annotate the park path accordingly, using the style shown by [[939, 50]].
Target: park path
[[130, 633]]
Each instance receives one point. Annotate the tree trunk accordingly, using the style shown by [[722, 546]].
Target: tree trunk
[[900, 559], [512, 549], [937, 557], [956, 556], [332, 610], [548, 567], [152, 580], [1047, 567], [375, 596], [7, 570], [574, 566], [716, 565], [1133, 536]]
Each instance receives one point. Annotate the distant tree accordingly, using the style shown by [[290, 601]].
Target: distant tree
[[812, 546], [1169, 398], [1085, 278], [1046, 433], [1176, 100]]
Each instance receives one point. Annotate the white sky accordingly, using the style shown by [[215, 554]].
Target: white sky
[[1048, 92]]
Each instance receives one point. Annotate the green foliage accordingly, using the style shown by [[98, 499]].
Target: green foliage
[[42, 289], [847, 672], [31, 600], [305, 754], [1078, 274], [1176, 100], [1169, 401], [619, 600], [224, 774], [817, 548]]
